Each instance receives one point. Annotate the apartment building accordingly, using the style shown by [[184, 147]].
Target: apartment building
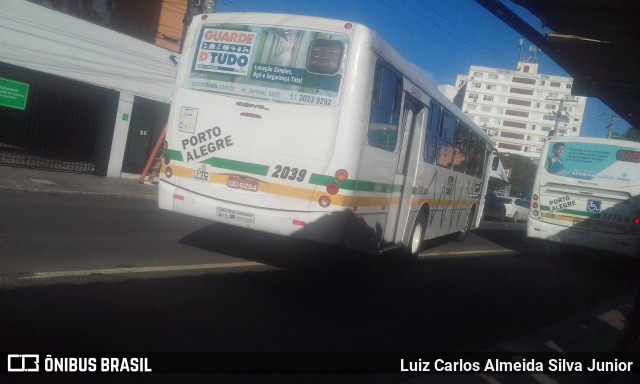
[[519, 108]]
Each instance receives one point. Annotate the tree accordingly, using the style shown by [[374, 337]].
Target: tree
[[632, 134], [523, 172]]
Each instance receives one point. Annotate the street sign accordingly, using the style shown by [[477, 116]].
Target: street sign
[[13, 94]]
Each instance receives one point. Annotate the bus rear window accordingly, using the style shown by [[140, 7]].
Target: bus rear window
[[325, 57], [269, 63]]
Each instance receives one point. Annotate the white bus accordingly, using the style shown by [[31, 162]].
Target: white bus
[[587, 193], [317, 129]]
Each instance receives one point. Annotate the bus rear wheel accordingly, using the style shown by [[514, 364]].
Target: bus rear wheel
[[467, 227], [417, 234]]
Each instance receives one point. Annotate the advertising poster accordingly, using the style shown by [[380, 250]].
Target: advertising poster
[[592, 161], [269, 63]]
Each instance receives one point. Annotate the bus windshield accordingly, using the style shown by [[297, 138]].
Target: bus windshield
[[604, 164], [269, 63]]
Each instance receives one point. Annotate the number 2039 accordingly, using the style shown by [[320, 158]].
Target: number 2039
[[285, 172]]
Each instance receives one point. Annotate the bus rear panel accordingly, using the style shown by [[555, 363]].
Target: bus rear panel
[[587, 193]]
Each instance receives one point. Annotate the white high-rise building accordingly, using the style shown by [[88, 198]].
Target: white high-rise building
[[520, 108]]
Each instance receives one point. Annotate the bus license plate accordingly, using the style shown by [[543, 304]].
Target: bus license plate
[[242, 183], [232, 214]]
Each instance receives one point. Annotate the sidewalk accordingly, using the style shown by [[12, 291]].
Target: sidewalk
[[35, 180], [595, 330]]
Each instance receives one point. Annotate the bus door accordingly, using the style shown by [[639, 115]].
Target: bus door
[[413, 122]]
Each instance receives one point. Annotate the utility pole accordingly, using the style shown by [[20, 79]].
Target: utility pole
[[558, 115], [612, 125], [195, 7]]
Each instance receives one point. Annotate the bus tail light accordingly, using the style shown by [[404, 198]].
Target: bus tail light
[[324, 201], [332, 188], [534, 204], [342, 175], [636, 221], [168, 172]]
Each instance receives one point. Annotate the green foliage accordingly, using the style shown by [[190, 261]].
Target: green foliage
[[632, 134], [523, 172]]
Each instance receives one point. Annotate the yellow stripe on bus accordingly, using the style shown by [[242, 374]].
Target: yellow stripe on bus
[[382, 202], [586, 223]]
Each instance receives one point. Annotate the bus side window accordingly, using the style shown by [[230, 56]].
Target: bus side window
[[460, 155], [432, 137], [474, 155], [385, 108], [484, 151], [445, 143]]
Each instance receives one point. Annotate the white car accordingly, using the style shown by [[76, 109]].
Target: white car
[[517, 209]]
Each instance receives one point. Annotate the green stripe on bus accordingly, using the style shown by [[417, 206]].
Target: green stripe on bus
[[173, 154], [240, 166], [547, 209], [354, 185]]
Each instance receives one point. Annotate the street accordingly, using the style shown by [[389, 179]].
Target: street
[[92, 273]]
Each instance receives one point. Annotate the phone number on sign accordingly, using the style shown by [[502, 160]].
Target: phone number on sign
[[308, 99]]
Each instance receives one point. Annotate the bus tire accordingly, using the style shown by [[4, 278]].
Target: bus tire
[[417, 234], [467, 227]]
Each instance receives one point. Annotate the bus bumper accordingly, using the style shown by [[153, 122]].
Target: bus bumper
[[618, 243], [325, 227]]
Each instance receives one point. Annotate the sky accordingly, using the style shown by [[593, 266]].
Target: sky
[[442, 37]]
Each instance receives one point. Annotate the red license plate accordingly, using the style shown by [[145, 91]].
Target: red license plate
[[242, 183]]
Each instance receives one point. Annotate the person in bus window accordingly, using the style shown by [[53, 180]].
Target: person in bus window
[[554, 163]]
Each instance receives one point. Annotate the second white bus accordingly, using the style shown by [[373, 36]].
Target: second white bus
[[318, 129], [587, 193]]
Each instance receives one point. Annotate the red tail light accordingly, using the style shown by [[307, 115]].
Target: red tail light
[[341, 175], [332, 188], [324, 201]]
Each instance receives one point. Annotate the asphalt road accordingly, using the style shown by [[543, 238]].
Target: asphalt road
[[156, 281]]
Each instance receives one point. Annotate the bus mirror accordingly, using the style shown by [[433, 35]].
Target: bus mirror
[[496, 163]]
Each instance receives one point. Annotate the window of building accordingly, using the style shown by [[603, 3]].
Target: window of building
[[555, 84], [473, 96], [493, 76], [385, 108], [512, 112], [486, 109], [478, 74], [490, 86], [522, 91], [525, 103], [523, 80], [487, 98], [568, 86], [514, 124], [471, 107], [510, 146], [476, 85]]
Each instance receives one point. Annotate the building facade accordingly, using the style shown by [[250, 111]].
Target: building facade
[[86, 84], [520, 108]]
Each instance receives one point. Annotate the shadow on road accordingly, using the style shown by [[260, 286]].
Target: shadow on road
[[320, 299]]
